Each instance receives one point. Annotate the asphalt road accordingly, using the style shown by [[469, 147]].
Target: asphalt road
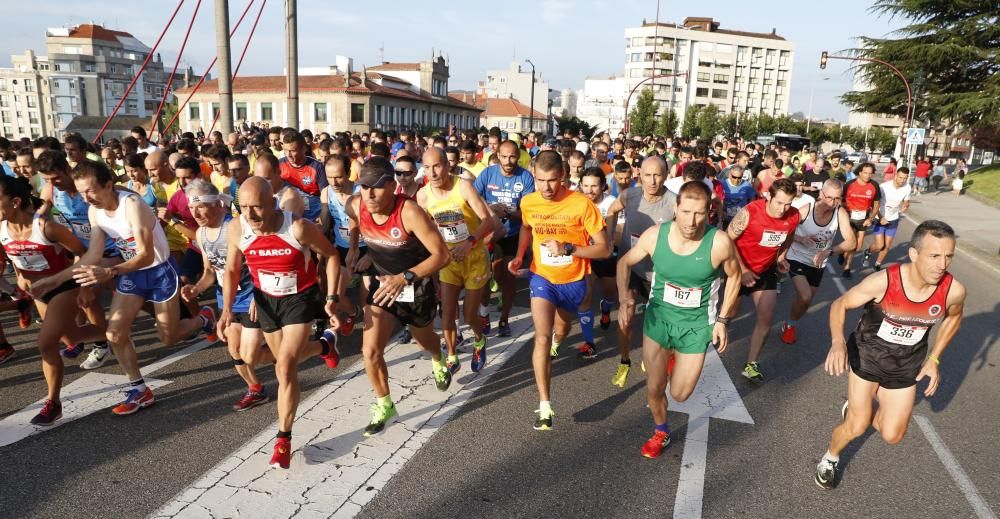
[[486, 461]]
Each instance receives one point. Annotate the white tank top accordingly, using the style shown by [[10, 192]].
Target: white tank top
[[118, 228], [811, 237]]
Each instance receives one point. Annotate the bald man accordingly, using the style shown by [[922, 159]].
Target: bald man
[[288, 198], [278, 249]]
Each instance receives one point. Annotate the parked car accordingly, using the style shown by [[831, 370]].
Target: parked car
[[884, 159]]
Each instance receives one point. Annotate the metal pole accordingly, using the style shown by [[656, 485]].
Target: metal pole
[[225, 69], [531, 115], [292, 53]]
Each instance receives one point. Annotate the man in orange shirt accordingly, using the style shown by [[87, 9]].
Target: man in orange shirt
[[565, 231]]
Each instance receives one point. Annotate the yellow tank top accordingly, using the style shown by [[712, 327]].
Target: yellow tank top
[[454, 217]]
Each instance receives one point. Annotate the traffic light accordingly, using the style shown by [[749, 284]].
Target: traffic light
[[822, 60]]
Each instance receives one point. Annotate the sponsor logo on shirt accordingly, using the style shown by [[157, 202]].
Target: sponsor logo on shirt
[[270, 252]]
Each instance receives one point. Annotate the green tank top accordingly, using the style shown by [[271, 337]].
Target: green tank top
[[686, 287]]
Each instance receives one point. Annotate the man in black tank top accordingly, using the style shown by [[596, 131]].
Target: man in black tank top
[[888, 352], [405, 250]]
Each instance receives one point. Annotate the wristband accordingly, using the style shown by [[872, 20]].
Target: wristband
[[934, 359], [723, 320]]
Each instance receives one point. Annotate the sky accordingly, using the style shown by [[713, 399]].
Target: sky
[[567, 40]]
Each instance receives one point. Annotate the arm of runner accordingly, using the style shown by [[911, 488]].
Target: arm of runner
[[523, 243], [60, 234], [593, 223], [611, 218], [724, 253], [354, 232], [46, 196], [869, 289], [643, 248], [946, 332], [850, 239], [95, 248], [734, 231], [420, 224], [141, 221], [231, 275], [487, 220], [191, 292], [309, 234], [324, 211]]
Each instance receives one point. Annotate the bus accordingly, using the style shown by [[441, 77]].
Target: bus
[[785, 140]]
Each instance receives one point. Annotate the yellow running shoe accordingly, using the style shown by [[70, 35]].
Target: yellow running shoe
[[621, 375]]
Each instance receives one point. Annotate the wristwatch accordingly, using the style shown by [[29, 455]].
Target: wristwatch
[[568, 249], [409, 276], [335, 298]]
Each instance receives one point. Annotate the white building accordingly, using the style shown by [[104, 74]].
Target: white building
[[738, 71], [515, 82], [601, 103], [564, 102]]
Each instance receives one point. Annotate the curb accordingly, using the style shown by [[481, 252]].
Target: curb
[[983, 199], [989, 259]]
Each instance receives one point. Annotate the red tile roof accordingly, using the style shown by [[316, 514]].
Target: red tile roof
[[496, 107], [396, 67], [96, 32]]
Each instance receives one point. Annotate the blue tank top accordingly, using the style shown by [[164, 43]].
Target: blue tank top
[[72, 212], [215, 251], [149, 197], [339, 221]]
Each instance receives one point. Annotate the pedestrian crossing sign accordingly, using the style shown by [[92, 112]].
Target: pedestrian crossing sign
[[914, 135]]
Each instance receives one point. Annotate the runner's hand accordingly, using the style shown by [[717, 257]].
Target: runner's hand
[[720, 336], [820, 258], [883, 221], [514, 265], [626, 310], [89, 275], [223, 322], [85, 297], [783, 266], [352, 258], [253, 310], [161, 214], [930, 370], [389, 289], [363, 264], [748, 278], [555, 248], [189, 293], [836, 360], [41, 287], [331, 310], [460, 252]]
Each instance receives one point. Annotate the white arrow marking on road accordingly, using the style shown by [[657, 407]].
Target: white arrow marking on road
[[88, 394], [715, 396], [334, 470]]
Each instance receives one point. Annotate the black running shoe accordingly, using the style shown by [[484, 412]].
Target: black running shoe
[[848, 275]]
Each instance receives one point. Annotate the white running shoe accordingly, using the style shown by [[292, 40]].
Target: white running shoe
[[97, 358]]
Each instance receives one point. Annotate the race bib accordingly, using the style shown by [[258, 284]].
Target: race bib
[[406, 296], [30, 260], [278, 283], [820, 242], [816, 185], [81, 229], [548, 259], [126, 248], [859, 215], [772, 238], [454, 233], [901, 334], [681, 297], [345, 233]]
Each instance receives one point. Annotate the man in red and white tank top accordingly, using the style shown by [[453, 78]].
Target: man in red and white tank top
[[278, 250], [888, 353], [861, 199], [763, 230]]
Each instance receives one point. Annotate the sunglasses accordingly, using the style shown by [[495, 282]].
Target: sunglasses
[[405, 173]]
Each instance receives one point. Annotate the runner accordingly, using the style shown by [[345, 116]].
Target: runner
[[243, 336], [464, 221], [594, 184], [644, 206], [861, 198], [681, 322], [148, 273], [559, 225], [334, 219], [739, 192], [762, 232], [37, 248], [303, 173], [812, 246], [404, 252], [278, 251], [888, 351], [894, 200]]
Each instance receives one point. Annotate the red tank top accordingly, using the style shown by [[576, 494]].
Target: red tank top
[[897, 322], [859, 198], [760, 242], [36, 256], [279, 264], [391, 247]]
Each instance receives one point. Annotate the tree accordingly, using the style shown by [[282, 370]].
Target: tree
[[856, 138], [729, 128], [817, 135], [168, 112], [881, 140], [642, 119], [576, 125], [667, 127], [709, 122], [691, 128], [948, 52]]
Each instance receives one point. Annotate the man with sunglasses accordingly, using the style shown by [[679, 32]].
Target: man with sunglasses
[[406, 177], [812, 246]]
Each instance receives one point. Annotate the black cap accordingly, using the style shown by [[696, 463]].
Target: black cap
[[376, 172]]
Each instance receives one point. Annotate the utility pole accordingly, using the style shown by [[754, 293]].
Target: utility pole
[[225, 69], [531, 115], [292, 54]]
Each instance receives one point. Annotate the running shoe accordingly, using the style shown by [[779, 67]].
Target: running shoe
[[7, 353], [848, 275], [282, 456], [621, 375], [50, 412], [752, 372], [841, 259], [554, 348], [877, 267], [486, 323], [134, 401], [543, 422], [586, 351], [98, 356], [655, 445], [405, 337], [605, 314], [23, 308], [494, 287], [332, 357], [478, 354], [72, 352], [866, 259], [503, 329], [442, 378], [347, 323], [453, 365], [208, 315], [251, 399], [826, 474], [381, 415], [788, 334]]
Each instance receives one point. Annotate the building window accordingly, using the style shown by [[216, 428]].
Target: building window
[[194, 112], [706, 64], [636, 57], [637, 41], [4, 102], [766, 103], [770, 56], [704, 76], [266, 112], [33, 117], [752, 88], [357, 113], [3, 84], [241, 111], [754, 73], [701, 92], [783, 61], [378, 114], [737, 86], [741, 54], [724, 48], [719, 94], [319, 112], [215, 110], [392, 115], [721, 79], [32, 102]]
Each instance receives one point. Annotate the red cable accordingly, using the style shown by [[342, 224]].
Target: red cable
[[170, 80], [207, 69], [242, 55], [141, 69]]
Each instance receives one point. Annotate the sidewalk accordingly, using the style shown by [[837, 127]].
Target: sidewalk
[[977, 224]]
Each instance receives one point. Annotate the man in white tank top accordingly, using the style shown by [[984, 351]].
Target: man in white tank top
[[146, 274], [812, 246]]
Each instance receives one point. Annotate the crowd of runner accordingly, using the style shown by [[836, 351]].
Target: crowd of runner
[[303, 237]]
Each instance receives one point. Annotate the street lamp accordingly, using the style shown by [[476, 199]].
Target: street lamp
[[531, 114], [812, 92]]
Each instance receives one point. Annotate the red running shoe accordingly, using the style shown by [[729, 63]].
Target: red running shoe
[[251, 399], [209, 327], [347, 323], [7, 353], [134, 401], [655, 445], [787, 334], [23, 309], [282, 456], [332, 357]]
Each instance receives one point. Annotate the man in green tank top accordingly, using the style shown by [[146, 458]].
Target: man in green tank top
[[682, 317]]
